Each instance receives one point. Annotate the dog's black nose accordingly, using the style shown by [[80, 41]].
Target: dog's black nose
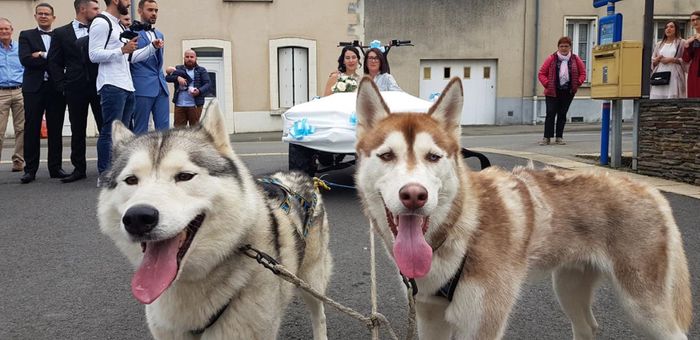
[[413, 196], [140, 219]]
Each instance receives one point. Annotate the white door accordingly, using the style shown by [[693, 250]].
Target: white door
[[478, 80], [293, 66], [215, 68]]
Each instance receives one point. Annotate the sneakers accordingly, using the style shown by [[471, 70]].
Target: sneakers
[[545, 141], [100, 183], [559, 141], [548, 141]]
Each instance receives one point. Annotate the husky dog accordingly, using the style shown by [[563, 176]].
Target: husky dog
[[180, 205], [479, 235]]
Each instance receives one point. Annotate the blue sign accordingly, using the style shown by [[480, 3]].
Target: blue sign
[[610, 29], [601, 3]]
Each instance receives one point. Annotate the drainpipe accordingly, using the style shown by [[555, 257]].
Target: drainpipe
[[535, 64], [133, 6]]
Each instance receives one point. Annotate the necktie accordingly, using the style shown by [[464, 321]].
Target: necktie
[[50, 34], [82, 26]]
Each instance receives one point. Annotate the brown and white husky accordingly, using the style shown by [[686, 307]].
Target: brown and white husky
[[483, 233]]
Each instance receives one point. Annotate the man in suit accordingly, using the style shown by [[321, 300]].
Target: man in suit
[[149, 81], [77, 82], [41, 93]]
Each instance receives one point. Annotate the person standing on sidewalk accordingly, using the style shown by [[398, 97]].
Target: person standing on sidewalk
[[76, 82], [692, 55], [192, 83], [41, 95], [562, 74], [114, 83], [149, 81], [11, 71]]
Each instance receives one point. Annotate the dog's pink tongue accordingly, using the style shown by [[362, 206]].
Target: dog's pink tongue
[[157, 270], [412, 253]]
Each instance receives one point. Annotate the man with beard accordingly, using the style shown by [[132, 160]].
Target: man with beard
[[149, 80], [114, 83], [41, 94], [76, 83], [191, 86]]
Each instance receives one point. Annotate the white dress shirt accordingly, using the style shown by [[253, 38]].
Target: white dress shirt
[[47, 44], [79, 31], [114, 65]]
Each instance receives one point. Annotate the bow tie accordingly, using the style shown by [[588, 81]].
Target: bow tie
[[83, 26], [46, 33]]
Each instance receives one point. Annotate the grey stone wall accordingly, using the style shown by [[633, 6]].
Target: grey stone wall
[[669, 139]]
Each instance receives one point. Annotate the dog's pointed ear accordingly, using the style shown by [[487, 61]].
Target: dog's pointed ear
[[448, 109], [370, 107], [213, 123], [120, 133]]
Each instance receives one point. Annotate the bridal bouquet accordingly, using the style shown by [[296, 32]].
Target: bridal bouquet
[[345, 84]]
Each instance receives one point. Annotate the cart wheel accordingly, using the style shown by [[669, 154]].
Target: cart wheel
[[302, 159]]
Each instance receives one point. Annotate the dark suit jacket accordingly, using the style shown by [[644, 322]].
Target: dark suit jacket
[[66, 62], [34, 68]]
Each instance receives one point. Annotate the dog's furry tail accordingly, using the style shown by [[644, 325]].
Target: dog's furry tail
[[682, 299]]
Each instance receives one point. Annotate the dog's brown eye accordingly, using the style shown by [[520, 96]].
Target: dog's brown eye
[[184, 177], [431, 157], [387, 156], [131, 180]]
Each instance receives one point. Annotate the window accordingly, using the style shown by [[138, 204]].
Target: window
[[487, 72], [660, 26], [426, 73], [467, 72], [446, 73], [293, 72], [581, 32]]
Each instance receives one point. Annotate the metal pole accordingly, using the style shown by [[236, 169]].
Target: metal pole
[[648, 44], [616, 154], [605, 134]]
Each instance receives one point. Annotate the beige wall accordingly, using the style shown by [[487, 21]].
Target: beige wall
[[247, 26]]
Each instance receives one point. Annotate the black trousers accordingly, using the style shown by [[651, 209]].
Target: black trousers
[[35, 104], [557, 107], [78, 102]]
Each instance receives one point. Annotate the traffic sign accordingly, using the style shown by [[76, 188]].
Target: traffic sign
[[601, 3]]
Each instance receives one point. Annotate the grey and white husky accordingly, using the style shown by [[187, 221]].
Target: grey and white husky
[[180, 205]]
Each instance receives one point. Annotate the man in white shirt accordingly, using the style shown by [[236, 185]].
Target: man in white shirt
[[114, 83]]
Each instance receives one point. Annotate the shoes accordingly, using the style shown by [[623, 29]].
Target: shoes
[[545, 141], [58, 174], [75, 176], [17, 166], [559, 141], [27, 177]]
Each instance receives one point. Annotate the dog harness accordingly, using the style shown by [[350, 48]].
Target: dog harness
[[447, 291], [275, 189]]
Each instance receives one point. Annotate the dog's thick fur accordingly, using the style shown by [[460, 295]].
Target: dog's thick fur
[[184, 173], [579, 226]]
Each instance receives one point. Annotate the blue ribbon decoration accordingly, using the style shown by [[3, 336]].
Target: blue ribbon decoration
[[353, 119], [434, 96], [376, 44], [301, 128]]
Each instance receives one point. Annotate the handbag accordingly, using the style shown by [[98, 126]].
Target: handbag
[[660, 78]]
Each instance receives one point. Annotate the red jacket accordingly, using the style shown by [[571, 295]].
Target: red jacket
[[548, 72]]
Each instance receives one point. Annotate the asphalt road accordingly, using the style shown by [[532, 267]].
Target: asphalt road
[[62, 279]]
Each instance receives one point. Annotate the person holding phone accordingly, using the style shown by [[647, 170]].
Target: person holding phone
[[114, 82]]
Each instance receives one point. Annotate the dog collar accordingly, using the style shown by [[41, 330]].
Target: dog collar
[[447, 290], [212, 320]]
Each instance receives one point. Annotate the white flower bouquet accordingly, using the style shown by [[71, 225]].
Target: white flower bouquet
[[345, 84]]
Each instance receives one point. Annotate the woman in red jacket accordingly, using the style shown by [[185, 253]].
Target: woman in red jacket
[[561, 75]]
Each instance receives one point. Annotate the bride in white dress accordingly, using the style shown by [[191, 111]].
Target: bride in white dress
[[667, 57]]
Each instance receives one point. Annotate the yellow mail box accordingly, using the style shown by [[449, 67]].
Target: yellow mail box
[[617, 70]]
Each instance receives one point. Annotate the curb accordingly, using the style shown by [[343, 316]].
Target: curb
[[658, 183]]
